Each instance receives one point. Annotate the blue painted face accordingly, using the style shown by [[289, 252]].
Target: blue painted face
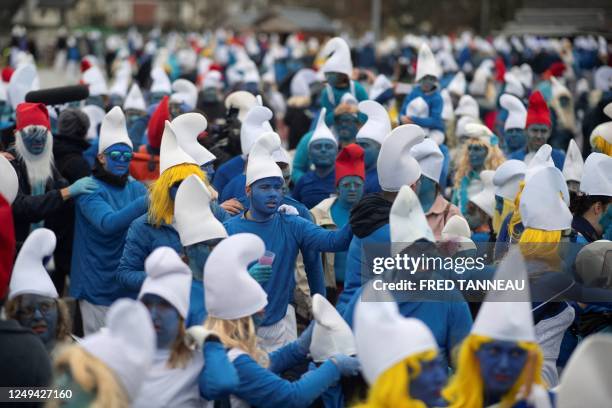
[[346, 127], [428, 83], [501, 364], [323, 153], [427, 192], [197, 254], [266, 196], [337, 80], [515, 139], [350, 190], [79, 397], [97, 100], [40, 314], [478, 155], [165, 317], [118, 158], [209, 169], [475, 217], [35, 139], [370, 152], [499, 204], [606, 219], [428, 385], [537, 135]]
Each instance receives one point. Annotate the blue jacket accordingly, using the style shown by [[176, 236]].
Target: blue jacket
[[557, 156], [219, 377], [197, 304], [353, 278], [285, 235], [262, 387], [450, 322], [142, 239], [312, 189], [228, 171], [102, 220], [435, 103], [235, 188]]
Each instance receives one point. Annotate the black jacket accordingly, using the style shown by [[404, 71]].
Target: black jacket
[[68, 156], [49, 207], [369, 214]]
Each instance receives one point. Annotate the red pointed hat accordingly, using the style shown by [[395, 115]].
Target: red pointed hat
[[7, 73], [7, 245], [537, 111], [157, 122], [28, 114], [350, 162]]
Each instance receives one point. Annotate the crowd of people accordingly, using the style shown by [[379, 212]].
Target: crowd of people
[[198, 229]]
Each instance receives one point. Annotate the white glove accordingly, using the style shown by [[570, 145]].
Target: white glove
[[288, 209], [197, 335]]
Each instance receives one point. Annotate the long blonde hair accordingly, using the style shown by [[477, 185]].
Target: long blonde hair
[[92, 375], [392, 388], [180, 353], [495, 157], [161, 205], [239, 333], [466, 388]]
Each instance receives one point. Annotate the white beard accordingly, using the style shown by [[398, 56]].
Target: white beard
[[39, 166]]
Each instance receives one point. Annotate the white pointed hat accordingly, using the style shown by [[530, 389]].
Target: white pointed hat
[[185, 92], [597, 175], [485, 199], [572, 166], [29, 273], [380, 85], [160, 81], [447, 105], [603, 130], [426, 63], [458, 84], [134, 99], [213, 79], [407, 221], [321, 131], [506, 314], [517, 113], [463, 121], [170, 152], [331, 334], [384, 337], [23, 80], [126, 345], [255, 123], [478, 131], [301, 81], [113, 130], [558, 89], [430, 159], [169, 278], [94, 78], [507, 178], [338, 56], [417, 108], [396, 167], [9, 183], [261, 162], [241, 100], [187, 128], [120, 85], [541, 159], [194, 220], [458, 230], [545, 200], [526, 75], [585, 381], [96, 115], [226, 274], [513, 85], [467, 107], [378, 125]]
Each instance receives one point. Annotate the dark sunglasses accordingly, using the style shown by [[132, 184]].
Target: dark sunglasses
[[125, 156]]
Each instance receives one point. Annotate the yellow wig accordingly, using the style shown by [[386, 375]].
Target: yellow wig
[[542, 245], [600, 145], [391, 389], [495, 157], [161, 205], [466, 388], [499, 217], [92, 375]]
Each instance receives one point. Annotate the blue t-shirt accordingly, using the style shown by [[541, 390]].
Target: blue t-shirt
[[312, 189]]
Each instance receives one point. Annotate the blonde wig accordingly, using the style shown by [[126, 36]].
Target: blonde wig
[[495, 157], [239, 333]]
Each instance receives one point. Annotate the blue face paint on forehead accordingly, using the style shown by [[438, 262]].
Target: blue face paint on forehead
[[323, 153], [35, 139], [40, 314], [118, 158], [166, 319], [515, 139], [346, 127], [501, 364], [478, 155], [266, 196], [350, 190], [371, 149]]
